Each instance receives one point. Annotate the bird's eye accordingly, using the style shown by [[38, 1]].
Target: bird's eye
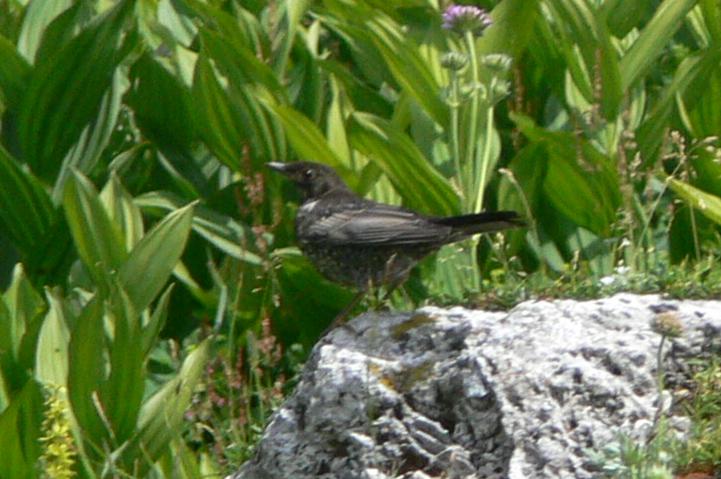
[[309, 174]]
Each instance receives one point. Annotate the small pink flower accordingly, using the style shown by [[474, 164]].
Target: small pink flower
[[466, 18]]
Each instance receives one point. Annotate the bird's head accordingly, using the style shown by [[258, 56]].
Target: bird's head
[[313, 179]]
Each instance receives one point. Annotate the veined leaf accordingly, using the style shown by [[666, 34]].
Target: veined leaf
[[653, 40], [223, 232], [575, 169], [98, 240], [122, 211], [51, 365], [407, 66], [149, 265], [19, 432], [422, 187], [64, 92], [693, 70], [38, 16], [307, 139], [230, 115], [709, 205], [95, 137], [162, 414], [14, 71], [24, 305], [86, 370], [513, 24], [122, 393], [26, 211]]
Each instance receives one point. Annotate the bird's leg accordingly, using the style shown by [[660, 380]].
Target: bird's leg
[[391, 279], [343, 315]]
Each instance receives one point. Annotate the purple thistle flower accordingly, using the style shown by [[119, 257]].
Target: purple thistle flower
[[466, 18]]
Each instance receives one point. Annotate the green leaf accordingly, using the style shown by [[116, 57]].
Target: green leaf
[[653, 40], [228, 106], [709, 205], [223, 232], [576, 170], [308, 141], [421, 187], [37, 17], [122, 393], [86, 370], [149, 265], [122, 211], [513, 24], [19, 432], [95, 137], [97, 239], [168, 124], [688, 79], [162, 414], [24, 305], [293, 12], [26, 212], [14, 71], [65, 91], [51, 365], [151, 329], [409, 69]]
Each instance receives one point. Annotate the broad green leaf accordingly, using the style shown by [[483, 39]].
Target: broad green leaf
[[293, 12], [26, 212], [421, 187], [167, 124], [95, 137], [162, 414], [709, 205], [24, 305], [219, 122], [65, 91], [577, 170], [230, 116], [653, 40], [51, 365], [700, 109], [37, 17], [97, 239], [407, 66], [687, 80], [308, 141], [151, 329], [19, 432], [14, 71], [122, 211], [122, 393], [223, 232], [513, 24], [87, 370], [149, 265]]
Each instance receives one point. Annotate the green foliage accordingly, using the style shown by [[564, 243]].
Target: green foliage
[[132, 141]]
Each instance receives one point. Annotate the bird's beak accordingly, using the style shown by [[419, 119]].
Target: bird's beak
[[278, 166]]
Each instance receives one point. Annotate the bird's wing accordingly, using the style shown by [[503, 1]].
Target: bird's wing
[[375, 224]]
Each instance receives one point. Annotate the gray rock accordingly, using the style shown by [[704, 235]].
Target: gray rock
[[472, 394]]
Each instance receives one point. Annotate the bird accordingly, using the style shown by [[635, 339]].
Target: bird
[[365, 244]]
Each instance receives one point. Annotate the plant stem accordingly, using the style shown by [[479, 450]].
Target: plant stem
[[455, 103], [485, 160], [473, 118]]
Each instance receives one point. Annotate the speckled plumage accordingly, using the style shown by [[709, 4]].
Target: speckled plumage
[[359, 242]]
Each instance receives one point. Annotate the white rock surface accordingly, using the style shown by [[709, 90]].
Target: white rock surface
[[472, 394]]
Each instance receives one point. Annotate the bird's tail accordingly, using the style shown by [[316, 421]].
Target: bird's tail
[[486, 222]]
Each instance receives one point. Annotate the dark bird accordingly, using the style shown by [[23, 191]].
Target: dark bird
[[363, 243]]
